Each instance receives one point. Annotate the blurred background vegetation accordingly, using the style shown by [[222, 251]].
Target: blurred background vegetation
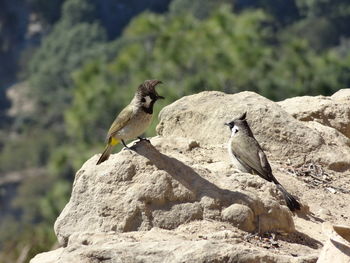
[[68, 66]]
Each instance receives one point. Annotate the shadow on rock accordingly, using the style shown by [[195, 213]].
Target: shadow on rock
[[302, 239], [189, 178], [308, 215]]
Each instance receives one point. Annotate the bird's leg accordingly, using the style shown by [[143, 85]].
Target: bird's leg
[[142, 139], [125, 145]]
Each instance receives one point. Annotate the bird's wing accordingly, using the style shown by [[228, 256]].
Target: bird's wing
[[120, 121], [264, 162], [249, 152]]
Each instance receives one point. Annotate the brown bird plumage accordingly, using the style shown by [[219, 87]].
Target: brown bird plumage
[[249, 157]]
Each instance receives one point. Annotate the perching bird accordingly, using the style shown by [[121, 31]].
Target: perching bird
[[248, 156], [134, 119]]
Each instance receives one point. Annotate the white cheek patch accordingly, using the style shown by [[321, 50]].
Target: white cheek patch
[[147, 102], [234, 130]]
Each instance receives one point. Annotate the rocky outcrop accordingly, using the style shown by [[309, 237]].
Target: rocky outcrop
[[159, 245], [151, 187], [333, 111], [202, 116], [178, 198]]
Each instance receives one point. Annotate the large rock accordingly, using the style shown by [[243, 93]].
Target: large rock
[[201, 117], [333, 111], [155, 187], [179, 199]]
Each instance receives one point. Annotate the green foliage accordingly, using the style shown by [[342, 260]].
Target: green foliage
[[39, 199], [336, 12], [65, 49], [199, 8], [54, 62], [226, 52], [75, 39], [330, 8], [319, 32], [33, 239], [30, 150], [77, 11]]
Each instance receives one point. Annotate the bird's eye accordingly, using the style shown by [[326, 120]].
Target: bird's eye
[[143, 100]]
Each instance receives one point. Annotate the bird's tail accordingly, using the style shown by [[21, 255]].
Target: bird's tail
[[292, 203], [107, 151]]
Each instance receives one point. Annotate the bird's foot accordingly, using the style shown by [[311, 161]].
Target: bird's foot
[[125, 146], [143, 139]]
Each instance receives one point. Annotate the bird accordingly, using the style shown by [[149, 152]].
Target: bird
[[248, 156], [134, 119]]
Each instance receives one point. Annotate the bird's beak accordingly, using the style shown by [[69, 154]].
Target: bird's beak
[[226, 124], [160, 97]]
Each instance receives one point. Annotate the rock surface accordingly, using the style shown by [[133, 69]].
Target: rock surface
[[201, 116], [179, 199], [333, 111], [145, 188], [156, 246]]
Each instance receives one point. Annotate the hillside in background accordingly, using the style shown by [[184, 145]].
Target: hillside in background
[[68, 66]]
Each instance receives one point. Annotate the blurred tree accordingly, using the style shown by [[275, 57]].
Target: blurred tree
[[161, 47], [63, 51], [39, 201], [320, 33], [201, 9], [20, 152], [335, 12], [77, 11], [75, 39], [226, 52]]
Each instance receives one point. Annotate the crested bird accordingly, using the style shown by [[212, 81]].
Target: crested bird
[[248, 156], [134, 119]]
